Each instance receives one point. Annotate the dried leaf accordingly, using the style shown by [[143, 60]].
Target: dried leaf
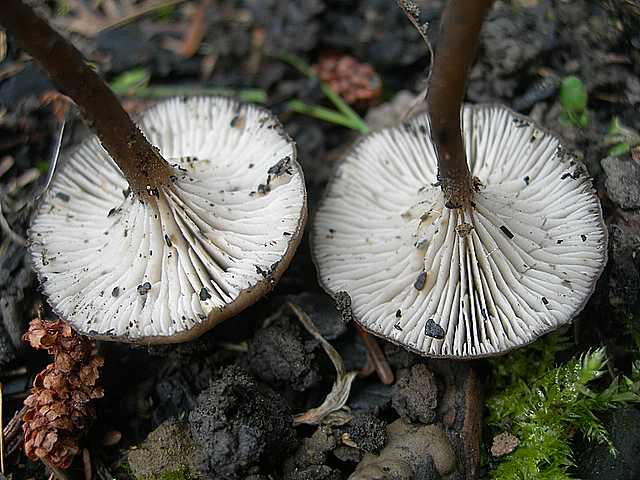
[[339, 394]]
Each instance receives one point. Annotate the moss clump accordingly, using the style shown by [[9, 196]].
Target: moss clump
[[177, 475], [544, 413]]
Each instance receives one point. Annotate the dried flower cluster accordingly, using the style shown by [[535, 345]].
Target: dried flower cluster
[[356, 82], [58, 409]]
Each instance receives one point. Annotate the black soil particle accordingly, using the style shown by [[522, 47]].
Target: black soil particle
[[343, 304], [240, 424]]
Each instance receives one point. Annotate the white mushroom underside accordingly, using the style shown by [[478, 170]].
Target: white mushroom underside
[[494, 277], [115, 266]]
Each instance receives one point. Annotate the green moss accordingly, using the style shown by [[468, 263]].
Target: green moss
[[528, 364], [543, 407], [177, 475]]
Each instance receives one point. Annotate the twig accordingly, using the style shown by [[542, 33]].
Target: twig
[[196, 30], [86, 462], [14, 445], [11, 428], [28, 176], [376, 356], [89, 24], [234, 347], [141, 12], [16, 372]]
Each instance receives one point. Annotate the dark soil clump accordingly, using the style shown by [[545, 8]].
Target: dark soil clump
[[239, 424]]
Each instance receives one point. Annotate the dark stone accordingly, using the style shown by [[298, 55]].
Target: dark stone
[[431, 328], [593, 461], [415, 394], [239, 424]]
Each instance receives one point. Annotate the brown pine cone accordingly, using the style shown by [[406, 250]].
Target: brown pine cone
[[357, 83], [58, 409]]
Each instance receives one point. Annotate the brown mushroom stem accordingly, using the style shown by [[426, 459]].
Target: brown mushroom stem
[[457, 41], [140, 162]]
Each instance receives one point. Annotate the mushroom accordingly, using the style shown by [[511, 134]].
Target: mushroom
[[201, 248], [157, 233], [453, 258]]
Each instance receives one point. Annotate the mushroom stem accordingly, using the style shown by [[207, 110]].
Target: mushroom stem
[[457, 41], [140, 162]]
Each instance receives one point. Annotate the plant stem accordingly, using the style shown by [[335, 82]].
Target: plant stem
[[355, 120], [140, 162], [321, 113], [459, 31]]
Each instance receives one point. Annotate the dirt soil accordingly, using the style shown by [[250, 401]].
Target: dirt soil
[[222, 406]]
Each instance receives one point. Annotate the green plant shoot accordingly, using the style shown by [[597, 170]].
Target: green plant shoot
[[620, 138], [574, 99]]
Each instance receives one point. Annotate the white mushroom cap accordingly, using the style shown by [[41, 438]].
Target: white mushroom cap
[[520, 262], [204, 247]]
